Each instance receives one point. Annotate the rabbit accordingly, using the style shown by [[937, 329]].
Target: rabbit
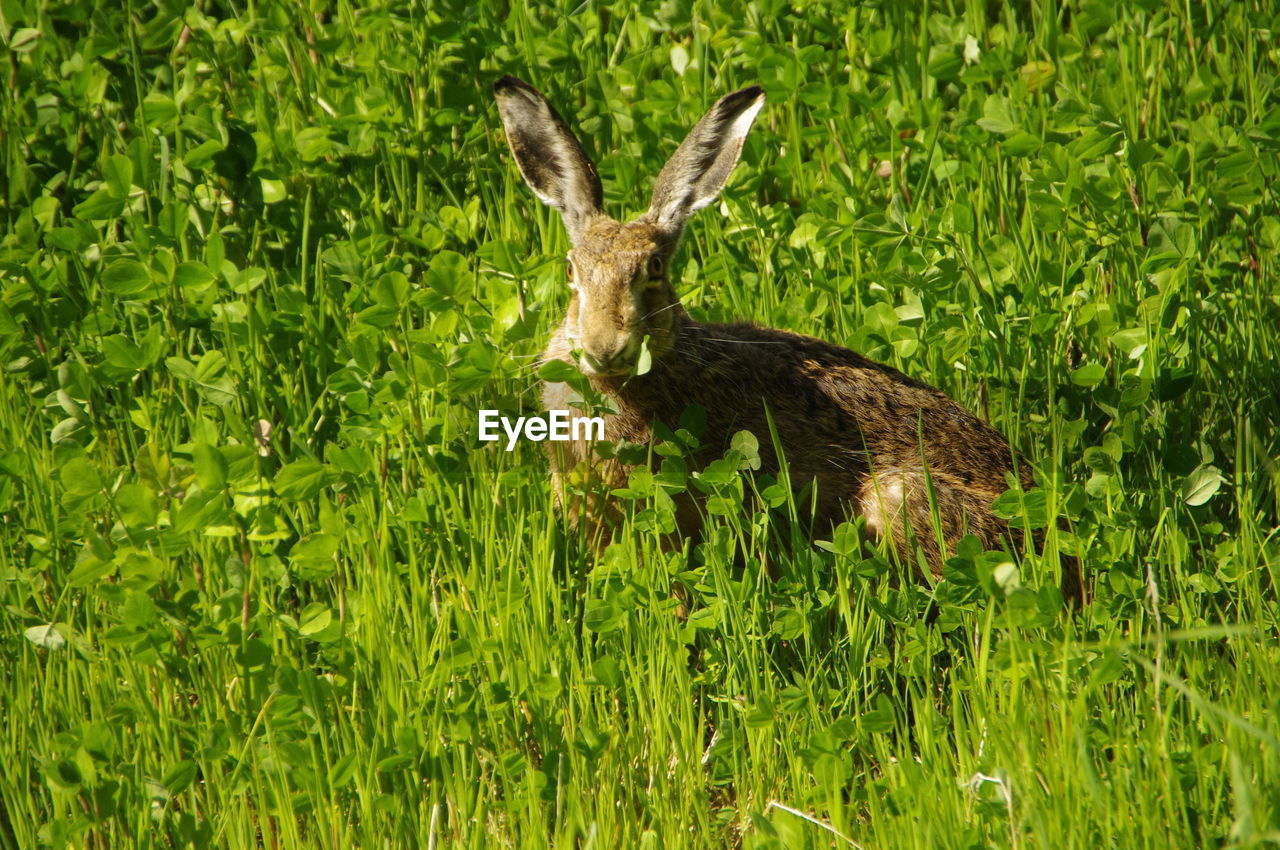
[[871, 440]]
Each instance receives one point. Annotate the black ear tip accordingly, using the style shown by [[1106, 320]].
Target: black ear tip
[[508, 84], [740, 99], [746, 95]]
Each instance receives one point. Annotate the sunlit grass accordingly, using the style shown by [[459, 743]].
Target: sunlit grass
[[262, 586]]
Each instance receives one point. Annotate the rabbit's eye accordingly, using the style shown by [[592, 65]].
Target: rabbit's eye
[[655, 266], [568, 272]]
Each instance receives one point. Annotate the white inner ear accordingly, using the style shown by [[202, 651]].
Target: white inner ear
[[546, 199], [735, 137], [742, 124]]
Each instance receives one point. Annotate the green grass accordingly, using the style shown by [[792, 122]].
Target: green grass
[[368, 629]]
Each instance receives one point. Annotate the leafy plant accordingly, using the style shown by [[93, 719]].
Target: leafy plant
[[261, 266]]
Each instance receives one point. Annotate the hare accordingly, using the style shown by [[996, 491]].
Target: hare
[[870, 439]]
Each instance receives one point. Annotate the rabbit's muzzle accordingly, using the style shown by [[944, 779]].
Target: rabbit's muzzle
[[615, 356]]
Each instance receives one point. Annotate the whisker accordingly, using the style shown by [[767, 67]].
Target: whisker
[[747, 341], [660, 309]]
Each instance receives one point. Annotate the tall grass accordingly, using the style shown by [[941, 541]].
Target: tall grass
[[262, 264]]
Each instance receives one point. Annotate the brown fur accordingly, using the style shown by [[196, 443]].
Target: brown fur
[[872, 440], [838, 415]]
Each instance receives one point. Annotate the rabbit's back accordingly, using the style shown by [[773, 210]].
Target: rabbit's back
[[840, 418]]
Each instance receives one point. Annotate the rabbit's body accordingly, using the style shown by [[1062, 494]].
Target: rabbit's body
[[838, 416], [871, 440]]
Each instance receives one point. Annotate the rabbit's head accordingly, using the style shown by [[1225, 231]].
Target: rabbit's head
[[618, 272]]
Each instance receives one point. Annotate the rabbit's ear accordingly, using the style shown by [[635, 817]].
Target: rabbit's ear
[[549, 155], [700, 167]]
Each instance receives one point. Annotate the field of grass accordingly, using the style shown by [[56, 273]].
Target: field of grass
[[261, 586]]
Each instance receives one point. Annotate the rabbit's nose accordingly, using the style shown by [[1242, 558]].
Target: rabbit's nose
[[606, 359]]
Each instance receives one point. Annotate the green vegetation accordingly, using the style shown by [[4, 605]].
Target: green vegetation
[[261, 586]]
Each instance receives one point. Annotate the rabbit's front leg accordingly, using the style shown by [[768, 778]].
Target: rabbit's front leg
[[910, 507], [581, 484]]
